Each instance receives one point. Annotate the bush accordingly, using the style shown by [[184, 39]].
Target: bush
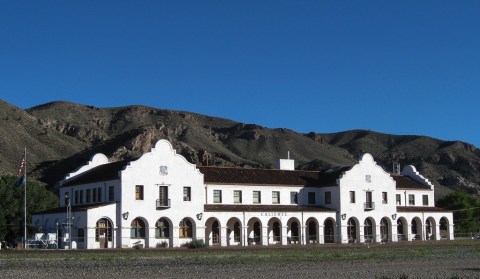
[[196, 244]]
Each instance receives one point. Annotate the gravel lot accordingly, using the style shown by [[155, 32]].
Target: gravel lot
[[455, 260]]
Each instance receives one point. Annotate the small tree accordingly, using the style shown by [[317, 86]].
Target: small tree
[[12, 205], [466, 212]]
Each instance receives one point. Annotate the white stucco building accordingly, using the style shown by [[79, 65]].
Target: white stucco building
[[161, 200]]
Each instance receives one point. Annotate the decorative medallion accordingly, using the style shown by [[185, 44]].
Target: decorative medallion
[[163, 170]]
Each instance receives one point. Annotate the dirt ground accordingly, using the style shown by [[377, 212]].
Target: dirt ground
[[400, 261]]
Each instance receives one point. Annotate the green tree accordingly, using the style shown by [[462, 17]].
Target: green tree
[[466, 212], [12, 205]]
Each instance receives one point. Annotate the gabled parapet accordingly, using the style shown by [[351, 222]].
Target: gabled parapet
[[97, 160], [412, 172]]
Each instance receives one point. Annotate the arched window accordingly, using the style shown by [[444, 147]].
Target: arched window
[[162, 228], [103, 230], [383, 229], [185, 228], [137, 229], [294, 230], [351, 230], [236, 232]]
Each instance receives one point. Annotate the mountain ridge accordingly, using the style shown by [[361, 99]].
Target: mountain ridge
[[62, 135]]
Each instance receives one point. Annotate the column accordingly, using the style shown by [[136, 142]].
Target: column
[[265, 236], [320, 234], [284, 234], [224, 236], [303, 235], [244, 238]]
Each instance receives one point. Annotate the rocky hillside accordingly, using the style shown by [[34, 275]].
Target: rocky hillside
[[60, 136]]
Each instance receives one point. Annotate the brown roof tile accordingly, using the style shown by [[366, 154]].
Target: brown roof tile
[[405, 182], [420, 209], [100, 173]]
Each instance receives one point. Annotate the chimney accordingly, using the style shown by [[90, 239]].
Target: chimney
[[285, 164]]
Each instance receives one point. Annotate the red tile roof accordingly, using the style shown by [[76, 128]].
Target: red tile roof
[[420, 209], [405, 182]]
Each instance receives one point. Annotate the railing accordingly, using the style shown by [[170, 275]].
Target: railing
[[161, 204], [369, 205]]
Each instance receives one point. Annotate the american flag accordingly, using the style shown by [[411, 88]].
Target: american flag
[[21, 167]]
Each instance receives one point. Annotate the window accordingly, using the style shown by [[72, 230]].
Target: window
[[425, 199], [76, 197], [328, 197], [275, 197], [94, 194], [237, 196], [137, 229], [293, 197], [187, 193], [384, 198], [111, 193], [80, 235], [369, 205], [257, 197], [311, 197], [185, 228], [81, 197], [217, 196], [399, 199], [89, 195], [352, 196], [103, 230], [162, 228], [163, 200], [411, 199], [138, 192], [99, 195]]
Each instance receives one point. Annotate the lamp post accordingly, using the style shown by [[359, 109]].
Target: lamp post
[[68, 224]]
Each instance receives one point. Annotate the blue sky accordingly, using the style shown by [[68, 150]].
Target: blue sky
[[400, 67]]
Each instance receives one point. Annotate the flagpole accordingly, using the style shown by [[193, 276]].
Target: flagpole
[[25, 199]]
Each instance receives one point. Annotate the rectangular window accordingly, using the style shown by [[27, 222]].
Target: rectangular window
[[425, 200], [369, 205], [352, 196], [257, 197], [311, 197], [163, 200], [111, 193], [384, 198], [217, 196], [399, 199], [293, 197], [275, 197], [89, 195], [99, 195], [411, 199], [237, 196], [187, 193], [94, 194], [138, 192], [76, 197], [328, 197]]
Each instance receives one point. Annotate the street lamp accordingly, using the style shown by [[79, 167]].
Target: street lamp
[[69, 219]]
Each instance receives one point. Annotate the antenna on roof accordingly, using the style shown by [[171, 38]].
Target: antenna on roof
[[396, 168]]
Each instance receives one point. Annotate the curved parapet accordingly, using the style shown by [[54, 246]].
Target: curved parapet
[[97, 160]]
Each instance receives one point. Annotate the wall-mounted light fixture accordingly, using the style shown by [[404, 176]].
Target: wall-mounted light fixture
[[199, 216], [344, 216], [394, 216], [125, 215]]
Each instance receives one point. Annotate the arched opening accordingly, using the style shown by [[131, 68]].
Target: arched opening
[[329, 231], [254, 232], [384, 230], [430, 229], [416, 229], [275, 232], [351, 230], [234, 232], [137, 228], [215, 233], [444, 228], [402, 229], [312, 231], [368, 230], [293, 231], [104, 233]]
